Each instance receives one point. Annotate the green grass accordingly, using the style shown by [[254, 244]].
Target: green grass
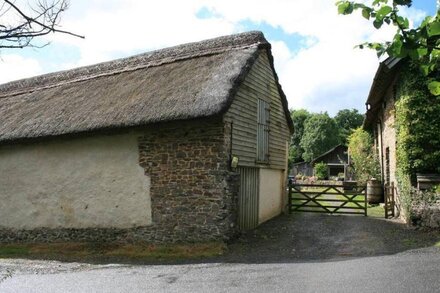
[[13, 251], [437, 244], [376, 211], [93, 251]]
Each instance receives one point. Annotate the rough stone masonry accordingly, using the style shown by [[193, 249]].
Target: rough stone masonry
[[193, 191]]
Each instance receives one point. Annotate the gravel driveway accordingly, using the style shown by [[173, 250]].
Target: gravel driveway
[[312, 237], [301, 253], [302, 237]]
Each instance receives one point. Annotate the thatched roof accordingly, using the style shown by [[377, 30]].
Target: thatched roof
[[184, 82], [383, 79]]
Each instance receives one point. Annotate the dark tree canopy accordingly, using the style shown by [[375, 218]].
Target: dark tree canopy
[[298, 118], [20, 24], [320, 135], [347, 121]]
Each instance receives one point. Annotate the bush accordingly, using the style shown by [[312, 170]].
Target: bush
[[365, 162], [321, 171]]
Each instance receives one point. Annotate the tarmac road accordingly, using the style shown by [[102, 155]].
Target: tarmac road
[[300, 253], [411, 271]]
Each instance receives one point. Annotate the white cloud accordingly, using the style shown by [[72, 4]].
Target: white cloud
[[325, 74], [328, 73], [139, 25], [16, 67]]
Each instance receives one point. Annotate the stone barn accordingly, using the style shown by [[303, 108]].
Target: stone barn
[[187, 143], [402, 116]]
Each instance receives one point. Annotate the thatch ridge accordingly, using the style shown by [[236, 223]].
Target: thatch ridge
[[189, 81], [149, 59]]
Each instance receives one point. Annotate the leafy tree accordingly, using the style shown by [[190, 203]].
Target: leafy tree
[[20, 25], [363, 158], [347, 121], [320, 135], [298, 118], [420, 44], [321, 170]]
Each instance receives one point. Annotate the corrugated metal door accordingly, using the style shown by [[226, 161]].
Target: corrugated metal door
[[248, 199]]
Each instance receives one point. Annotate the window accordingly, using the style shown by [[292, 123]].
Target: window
[[263, 131]]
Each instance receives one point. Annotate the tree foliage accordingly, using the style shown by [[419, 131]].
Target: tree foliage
[[321, 170], [347, 121], [364, 161], [420, 44], [320, 135], [298, 117], [20, 24]]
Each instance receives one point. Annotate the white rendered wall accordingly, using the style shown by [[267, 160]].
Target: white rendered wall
[[271, 194], [74, 183]]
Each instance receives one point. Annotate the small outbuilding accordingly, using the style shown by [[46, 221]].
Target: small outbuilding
[[336, 160], [187, 143]]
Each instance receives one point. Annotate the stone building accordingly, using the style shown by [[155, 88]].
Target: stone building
[[187, 143], [381, 120]]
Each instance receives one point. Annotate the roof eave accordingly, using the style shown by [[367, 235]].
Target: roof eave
[[385, 74]]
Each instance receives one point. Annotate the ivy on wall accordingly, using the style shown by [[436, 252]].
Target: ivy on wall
[[418, 131]]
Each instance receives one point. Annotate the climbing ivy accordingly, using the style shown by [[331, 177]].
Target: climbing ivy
[[418, 131]]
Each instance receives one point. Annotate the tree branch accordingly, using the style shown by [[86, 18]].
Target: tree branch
[[44, 21]]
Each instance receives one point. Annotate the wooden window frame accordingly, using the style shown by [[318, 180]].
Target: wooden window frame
[[263, 130]]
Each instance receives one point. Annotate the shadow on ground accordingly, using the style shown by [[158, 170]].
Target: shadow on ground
[[317, 237], [301, 237]]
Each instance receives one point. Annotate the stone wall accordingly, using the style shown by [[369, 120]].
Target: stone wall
[[193, 193], [427, 216], [389, 133], [386, 132]]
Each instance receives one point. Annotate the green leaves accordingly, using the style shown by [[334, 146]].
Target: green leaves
[[345, 7], [434, 88], [420, 44], [383, 11], [395, 48], [378, 23], [366, 13], [433, 28], [403, 2], [363, 159]]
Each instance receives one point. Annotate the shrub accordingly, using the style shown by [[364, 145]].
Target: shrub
[[365, 162], [321, 171]]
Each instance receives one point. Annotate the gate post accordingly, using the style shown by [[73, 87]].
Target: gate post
[[365, 201], [289, 203]]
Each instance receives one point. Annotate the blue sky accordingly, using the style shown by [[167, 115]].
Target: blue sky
[[313, 47]]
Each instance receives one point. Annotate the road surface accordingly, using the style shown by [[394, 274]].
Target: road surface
[[410, 271]]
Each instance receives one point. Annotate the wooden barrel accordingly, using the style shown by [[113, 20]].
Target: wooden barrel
[[374, 191]]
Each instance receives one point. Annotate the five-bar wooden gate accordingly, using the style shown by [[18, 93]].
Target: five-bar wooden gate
[[329, 199]]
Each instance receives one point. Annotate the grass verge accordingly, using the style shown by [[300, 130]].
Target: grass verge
[[97, 252]]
